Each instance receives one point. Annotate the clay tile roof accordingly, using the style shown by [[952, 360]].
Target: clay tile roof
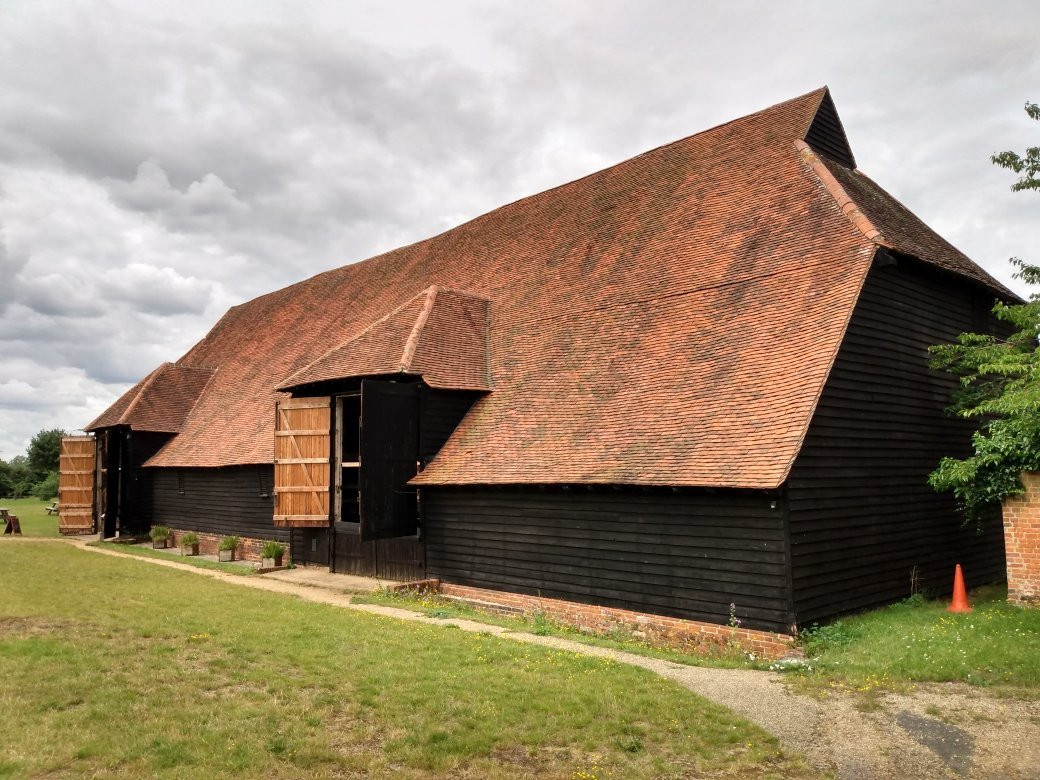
[[907, 233], [439, 334], [158, 403], [670, 320]]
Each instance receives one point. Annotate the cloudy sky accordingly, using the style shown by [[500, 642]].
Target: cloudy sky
[[158, 166]]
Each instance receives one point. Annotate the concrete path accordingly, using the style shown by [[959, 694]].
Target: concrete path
[[936, 732]]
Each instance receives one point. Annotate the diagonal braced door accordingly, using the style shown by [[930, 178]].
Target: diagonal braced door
[[301, 462]]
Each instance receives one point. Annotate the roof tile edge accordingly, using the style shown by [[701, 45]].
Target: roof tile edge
[[841, 197], [412, 344]]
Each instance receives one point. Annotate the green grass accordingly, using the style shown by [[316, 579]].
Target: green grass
[[919, 641], [439, 607], [113, 666], [32, 516], [172, 555]]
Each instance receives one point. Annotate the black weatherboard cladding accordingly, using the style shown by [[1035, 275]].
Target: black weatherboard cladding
[[687, 554], [139, 505], [440, 412], [827, 137], [863, 519], [230, 501]]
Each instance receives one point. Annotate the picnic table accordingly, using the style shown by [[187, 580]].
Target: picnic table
[[11, 524]]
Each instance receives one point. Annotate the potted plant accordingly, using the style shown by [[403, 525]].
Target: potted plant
[[271, 555], [227, 548], [160, 537], [190, 543]]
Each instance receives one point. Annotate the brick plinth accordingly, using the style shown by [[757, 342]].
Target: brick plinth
[[1022, 542], [686, 635], [248, 549]]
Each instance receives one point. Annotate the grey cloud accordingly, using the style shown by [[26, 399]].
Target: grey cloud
[[160, 163]]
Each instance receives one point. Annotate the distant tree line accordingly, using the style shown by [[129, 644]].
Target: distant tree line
[[36, 472]]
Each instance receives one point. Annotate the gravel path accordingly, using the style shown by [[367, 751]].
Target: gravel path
[[937, 731]]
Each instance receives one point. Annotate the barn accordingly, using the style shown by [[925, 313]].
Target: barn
[[694, 385]]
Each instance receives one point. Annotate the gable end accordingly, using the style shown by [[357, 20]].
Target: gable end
[[827, 136]]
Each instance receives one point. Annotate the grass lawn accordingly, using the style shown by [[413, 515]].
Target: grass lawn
[[172, 555], [113, 666], [32, 516], [919, 641], [889, 648], [440, 607]]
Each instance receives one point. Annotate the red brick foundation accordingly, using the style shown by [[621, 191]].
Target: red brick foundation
[[689, 636], [1022, 542], [248, 549]]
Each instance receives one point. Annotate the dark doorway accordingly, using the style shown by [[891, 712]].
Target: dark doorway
[[375, 529], [115, 461]]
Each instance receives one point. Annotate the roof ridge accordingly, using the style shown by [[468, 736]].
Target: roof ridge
[[845, 202], [408, 355], [148, 382]]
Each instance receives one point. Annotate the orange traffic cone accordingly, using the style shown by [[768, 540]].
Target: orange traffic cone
[[960, 595]]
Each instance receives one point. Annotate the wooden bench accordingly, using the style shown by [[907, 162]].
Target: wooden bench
[[11, 524], [53, 509]]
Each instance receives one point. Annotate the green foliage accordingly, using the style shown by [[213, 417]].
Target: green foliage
[[818, 639], [159, 532], [6, 481], [1027, 164], [46, 488], [189, 539], [42, 455], [229, 543], [18, 477], [272, 549], [999, 385]]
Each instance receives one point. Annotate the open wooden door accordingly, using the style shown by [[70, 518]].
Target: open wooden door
[[76, 485], [301, 462]]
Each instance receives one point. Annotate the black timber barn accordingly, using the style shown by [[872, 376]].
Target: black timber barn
[[693, 380]]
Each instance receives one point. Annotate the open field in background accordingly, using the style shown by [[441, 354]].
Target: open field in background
[[114, 666], [32, 514]]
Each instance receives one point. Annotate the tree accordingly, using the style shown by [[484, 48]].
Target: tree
[[21, 479], [1028, 164], [6, 482], [42, 455], [999, 383], [46, 488]]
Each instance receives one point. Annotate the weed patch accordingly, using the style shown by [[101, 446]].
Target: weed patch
[[920, 641]]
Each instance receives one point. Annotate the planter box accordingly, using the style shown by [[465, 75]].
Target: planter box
[[160, 544], [271, 563], [226, 555], [190, 549]]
